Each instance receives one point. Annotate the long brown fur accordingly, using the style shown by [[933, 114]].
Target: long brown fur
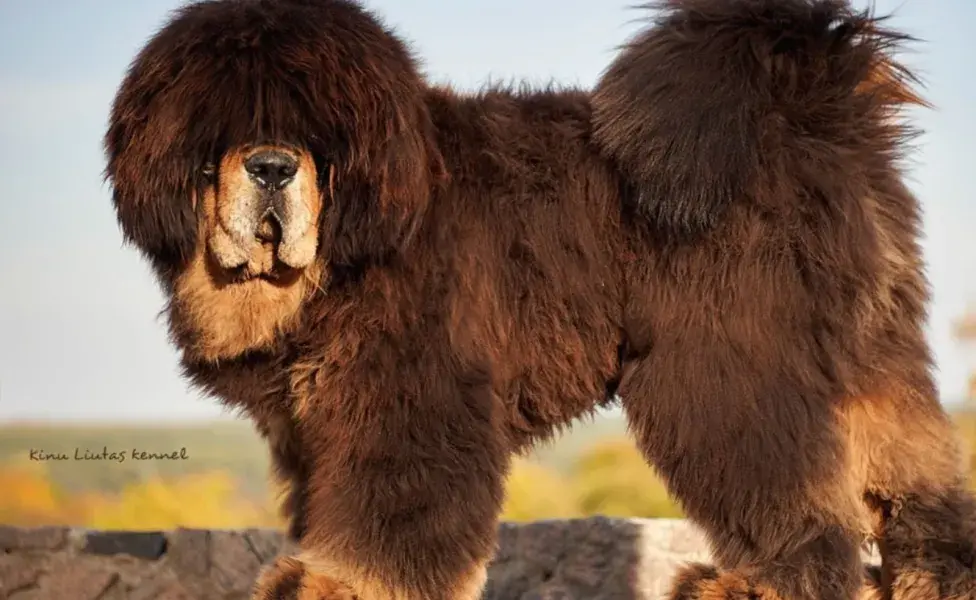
[[718, 232]]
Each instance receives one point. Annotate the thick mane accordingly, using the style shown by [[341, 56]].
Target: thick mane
[[221, 74]]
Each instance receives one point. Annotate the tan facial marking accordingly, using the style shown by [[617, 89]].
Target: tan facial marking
[[230, 316], [300, 232], [229, 239], [242, 204]]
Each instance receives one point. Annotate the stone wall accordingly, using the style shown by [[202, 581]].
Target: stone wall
[[585, 559]]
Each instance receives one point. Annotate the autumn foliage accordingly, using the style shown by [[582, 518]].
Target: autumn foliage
[[606, 477], [609, 478], [205, 500]]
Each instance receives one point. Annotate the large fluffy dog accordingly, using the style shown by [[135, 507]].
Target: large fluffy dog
[[403, 286]]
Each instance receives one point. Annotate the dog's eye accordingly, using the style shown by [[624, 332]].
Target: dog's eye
[[209, 170]]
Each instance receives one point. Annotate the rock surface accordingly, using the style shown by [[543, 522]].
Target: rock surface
[[584, 559]]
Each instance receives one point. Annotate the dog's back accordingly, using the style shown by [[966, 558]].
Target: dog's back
[[527, 229]]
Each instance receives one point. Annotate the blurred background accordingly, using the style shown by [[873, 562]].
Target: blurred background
[[85, 368]]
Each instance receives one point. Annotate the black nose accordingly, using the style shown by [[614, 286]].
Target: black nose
[[272, 169]]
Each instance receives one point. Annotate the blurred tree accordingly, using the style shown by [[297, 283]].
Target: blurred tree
[[966, 332], [534, 492], [611, 478], [199, 500], [30, 499]]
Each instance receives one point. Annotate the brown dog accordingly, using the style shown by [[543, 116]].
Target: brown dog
[[404, 286]]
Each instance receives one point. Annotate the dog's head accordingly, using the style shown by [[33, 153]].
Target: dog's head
[[255, 144]]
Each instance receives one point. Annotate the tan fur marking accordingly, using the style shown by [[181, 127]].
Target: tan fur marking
[[332, 171], [735, 584], [870, 591], [302, 250], [232, 184], [272, 575], [872, 587], [732, 584], [316, 587], [915, 585], [886, 80], [302, 377], [473, 587], [311, 586], [366, 587], [842, 497], [893, 446]]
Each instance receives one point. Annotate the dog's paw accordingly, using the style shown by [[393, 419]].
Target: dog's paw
[[955, 582], [704, 582], [872, 587], [288, 579], [698, 581]]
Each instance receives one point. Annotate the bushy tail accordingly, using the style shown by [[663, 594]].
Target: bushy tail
[[693, 107]]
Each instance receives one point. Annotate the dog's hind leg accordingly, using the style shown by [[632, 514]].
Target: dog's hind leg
[[756, 458], [905, 446]]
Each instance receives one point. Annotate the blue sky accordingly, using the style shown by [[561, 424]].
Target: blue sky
[[79, 336]]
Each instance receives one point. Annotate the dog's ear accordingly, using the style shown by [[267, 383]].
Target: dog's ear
[[377, 198], [151, 175]]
